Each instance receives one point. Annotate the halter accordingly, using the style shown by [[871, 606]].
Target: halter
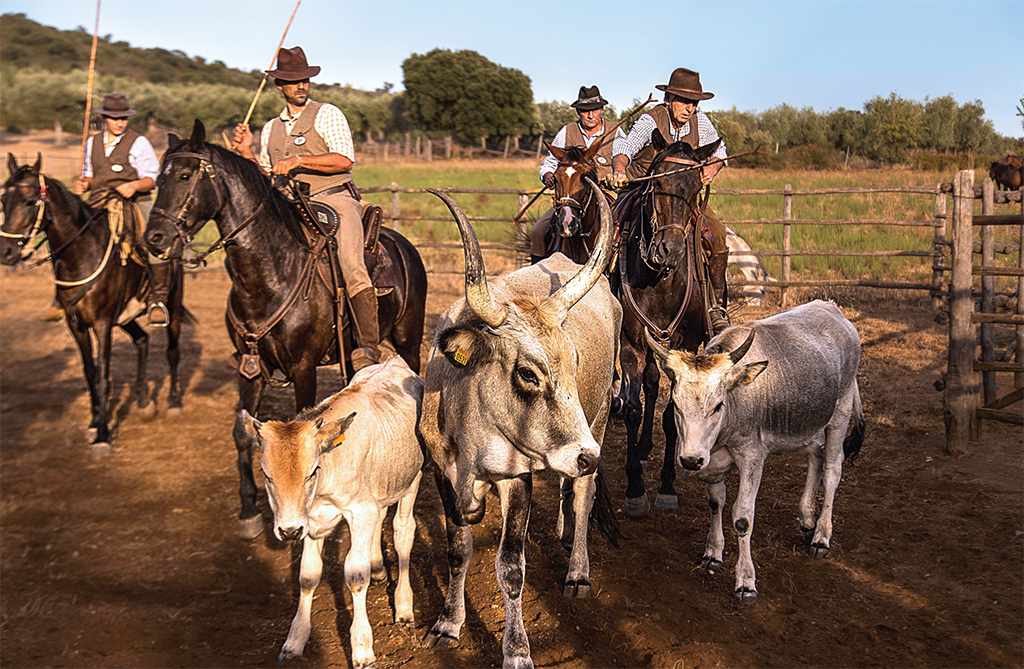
[[36, 228]]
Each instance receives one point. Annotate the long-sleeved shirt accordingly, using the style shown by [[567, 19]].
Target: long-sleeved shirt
[[550, 163], [640, 135], [330, 124], [141, 156]]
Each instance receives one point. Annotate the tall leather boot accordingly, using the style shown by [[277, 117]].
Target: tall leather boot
[[158, 314], [716, 269], [364, 312]]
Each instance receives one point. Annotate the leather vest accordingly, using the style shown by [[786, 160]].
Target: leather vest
[[109, 172], [645, 156], [303, 140], [574, 137]]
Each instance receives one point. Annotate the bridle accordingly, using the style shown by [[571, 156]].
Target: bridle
[[36, 227]]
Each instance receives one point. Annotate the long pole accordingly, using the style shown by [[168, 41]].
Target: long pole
[[88, 94], [263, 83]]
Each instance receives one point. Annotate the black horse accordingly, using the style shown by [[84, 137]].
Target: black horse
[[94, 281], [662, 285], [281, 308], [576, 221]]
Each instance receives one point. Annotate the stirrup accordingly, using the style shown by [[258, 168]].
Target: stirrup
[[166, 314], [719, 318]]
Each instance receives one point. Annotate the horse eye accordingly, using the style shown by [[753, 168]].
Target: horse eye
[[527, 376], [184, 176]]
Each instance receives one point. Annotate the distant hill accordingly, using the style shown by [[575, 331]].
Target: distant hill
[[25, 43]]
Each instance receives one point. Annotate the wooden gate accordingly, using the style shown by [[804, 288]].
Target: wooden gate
[[972, 388]]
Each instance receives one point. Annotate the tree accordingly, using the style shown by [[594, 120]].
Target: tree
[[971, 131], [462, 92], [939, 123], [893, 126], [552, 116], [845, 129]]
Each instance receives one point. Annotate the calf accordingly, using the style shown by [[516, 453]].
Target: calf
[[797, 397], [352, 456]]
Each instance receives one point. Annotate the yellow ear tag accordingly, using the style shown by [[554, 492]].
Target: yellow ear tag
[[461, 357], [337, 440]]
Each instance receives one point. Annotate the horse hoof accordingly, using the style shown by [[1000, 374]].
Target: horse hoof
[[101, 449], [90, 433], [174, 412], [250, 528], [636, 507], [746, 596], [666, 502], [148, 412], [817, 551]]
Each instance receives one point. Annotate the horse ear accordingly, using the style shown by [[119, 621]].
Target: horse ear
[[39, 163], [173, 142], [658, 140], [198, 134], [555, 151], [708, 150], [12, 164]]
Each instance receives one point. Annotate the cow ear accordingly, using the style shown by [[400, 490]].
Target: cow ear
[[332, 435], [464, 346], [743, 374], [252, 427]]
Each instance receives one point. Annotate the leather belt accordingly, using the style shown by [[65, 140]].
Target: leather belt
[[347, 187]]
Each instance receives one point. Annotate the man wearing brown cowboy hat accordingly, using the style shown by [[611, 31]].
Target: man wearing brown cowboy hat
[[591, 127], [678, 119], [311, 141], [122, 160]]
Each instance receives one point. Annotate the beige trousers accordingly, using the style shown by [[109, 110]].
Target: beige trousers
[[350, 240]]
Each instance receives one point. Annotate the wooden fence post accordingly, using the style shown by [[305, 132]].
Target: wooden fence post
[[396, 206], [508, 139], [408, 144], [418, 141], [430, 149], [940, 246], [958, 401], [988, 291], [1018, 377], [387, 145], [522, 235], [540, 145], [448, 147], [787, 232]]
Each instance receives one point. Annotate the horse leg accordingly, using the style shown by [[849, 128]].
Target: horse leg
[[304, 378], [101, 376], [667, 498], [80, 332], [140, 339], [636, 504], [250, 396], [173, 334], [651, 383]]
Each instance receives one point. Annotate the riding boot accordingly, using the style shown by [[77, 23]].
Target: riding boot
[[159, 316], [364, 312], [54, 312], [718, 315]]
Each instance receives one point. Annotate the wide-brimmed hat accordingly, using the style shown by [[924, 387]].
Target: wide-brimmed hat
[[589, 99], [292, 65], [686, 84], [115, 105]]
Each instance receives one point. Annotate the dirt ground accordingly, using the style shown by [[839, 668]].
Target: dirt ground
[[134, 560]]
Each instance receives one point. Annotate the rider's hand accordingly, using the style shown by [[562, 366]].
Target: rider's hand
[[549, 179], [127, 190], [81, 185], [617, 180], [243, 137], [287, 165]]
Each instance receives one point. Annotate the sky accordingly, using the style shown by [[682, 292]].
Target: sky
[[752, 55]]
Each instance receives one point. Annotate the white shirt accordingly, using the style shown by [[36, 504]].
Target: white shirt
[[640, 135], [550, 163], [141, 156], [330, 124]]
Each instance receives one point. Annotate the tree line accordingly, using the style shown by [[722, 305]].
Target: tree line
[[460, 94]]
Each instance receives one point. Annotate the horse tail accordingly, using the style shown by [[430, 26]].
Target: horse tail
[[853, 442], [602, 513], [187, 317]]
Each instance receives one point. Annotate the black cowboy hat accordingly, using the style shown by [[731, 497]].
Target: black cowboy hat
[[115, 105], [588, 99], [685, 84], [292, 65]]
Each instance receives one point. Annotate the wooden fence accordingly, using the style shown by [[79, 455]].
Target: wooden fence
[[424, 148]]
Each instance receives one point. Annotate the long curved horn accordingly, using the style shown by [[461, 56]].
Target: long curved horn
[[574, 290], [478, 295], [657, 348], [738, 353]]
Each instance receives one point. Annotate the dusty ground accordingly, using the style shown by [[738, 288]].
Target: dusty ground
[[134, 561]]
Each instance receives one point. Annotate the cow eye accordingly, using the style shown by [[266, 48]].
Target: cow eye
[[313, 473], [718, 407], [527, 376]]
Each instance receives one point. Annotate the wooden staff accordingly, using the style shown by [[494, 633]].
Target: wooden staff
[[88, 94], [263, 83]]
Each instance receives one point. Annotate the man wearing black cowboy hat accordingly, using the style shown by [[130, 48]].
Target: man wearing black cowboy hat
[[312, 142], [591, 127], [121, 159], [678, 119]]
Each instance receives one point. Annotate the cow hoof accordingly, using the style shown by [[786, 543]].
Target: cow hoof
[[365, 665], [636, 507], [666, 501], [817, 551], [250, 528], [286, 655], [406, 620], [148, 412], [101, 449], [808, 534], [439, 640], [174, 412], [746, 596], [710, 564], [578, 590], [377, 579]]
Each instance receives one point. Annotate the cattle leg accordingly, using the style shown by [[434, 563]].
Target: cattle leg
[[743, 520], [510, 567], [580, 502], [141, 342], [833, 472], [667, 498], [310, 568], [712, 559], [445, 632], [250, 396], [364, 525], [806, 508], [405, 533], [378, 573]]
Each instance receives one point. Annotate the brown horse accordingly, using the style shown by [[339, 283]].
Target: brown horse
[[281, 308], [576, 221], [1007, 175], [93, 284]]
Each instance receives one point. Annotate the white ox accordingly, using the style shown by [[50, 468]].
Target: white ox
[[798, 396], [742, 257], [352, 456], [519, 380]]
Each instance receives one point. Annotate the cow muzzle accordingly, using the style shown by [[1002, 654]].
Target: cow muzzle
[[291, 532], [692, 463], [588, 463]]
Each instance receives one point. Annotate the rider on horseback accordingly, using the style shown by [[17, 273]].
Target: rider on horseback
[[590, 128], [121, 159], [312, 142], [632, 156]]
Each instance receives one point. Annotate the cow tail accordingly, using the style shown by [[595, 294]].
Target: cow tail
[[602, 513], [853, 442]]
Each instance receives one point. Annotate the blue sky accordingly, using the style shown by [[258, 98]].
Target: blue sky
[[752, 55]]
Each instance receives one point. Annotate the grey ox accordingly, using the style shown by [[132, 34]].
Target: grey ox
[[797, 396], [519, 380], [350, 457]]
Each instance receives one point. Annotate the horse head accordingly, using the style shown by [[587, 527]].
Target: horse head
[[571, 193], [24, 195]]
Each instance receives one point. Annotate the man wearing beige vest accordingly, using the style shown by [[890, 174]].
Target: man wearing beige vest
[[312, 142], [678, 119], [590, 128], [122, 160]]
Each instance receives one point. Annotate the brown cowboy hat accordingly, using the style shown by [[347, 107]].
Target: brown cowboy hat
[[589, 99], [115, 105], [292, 65], [686, 84]]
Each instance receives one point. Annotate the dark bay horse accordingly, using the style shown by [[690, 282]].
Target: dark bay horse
[[93, 281], [281, 308], [576, 220], [662, 287]]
